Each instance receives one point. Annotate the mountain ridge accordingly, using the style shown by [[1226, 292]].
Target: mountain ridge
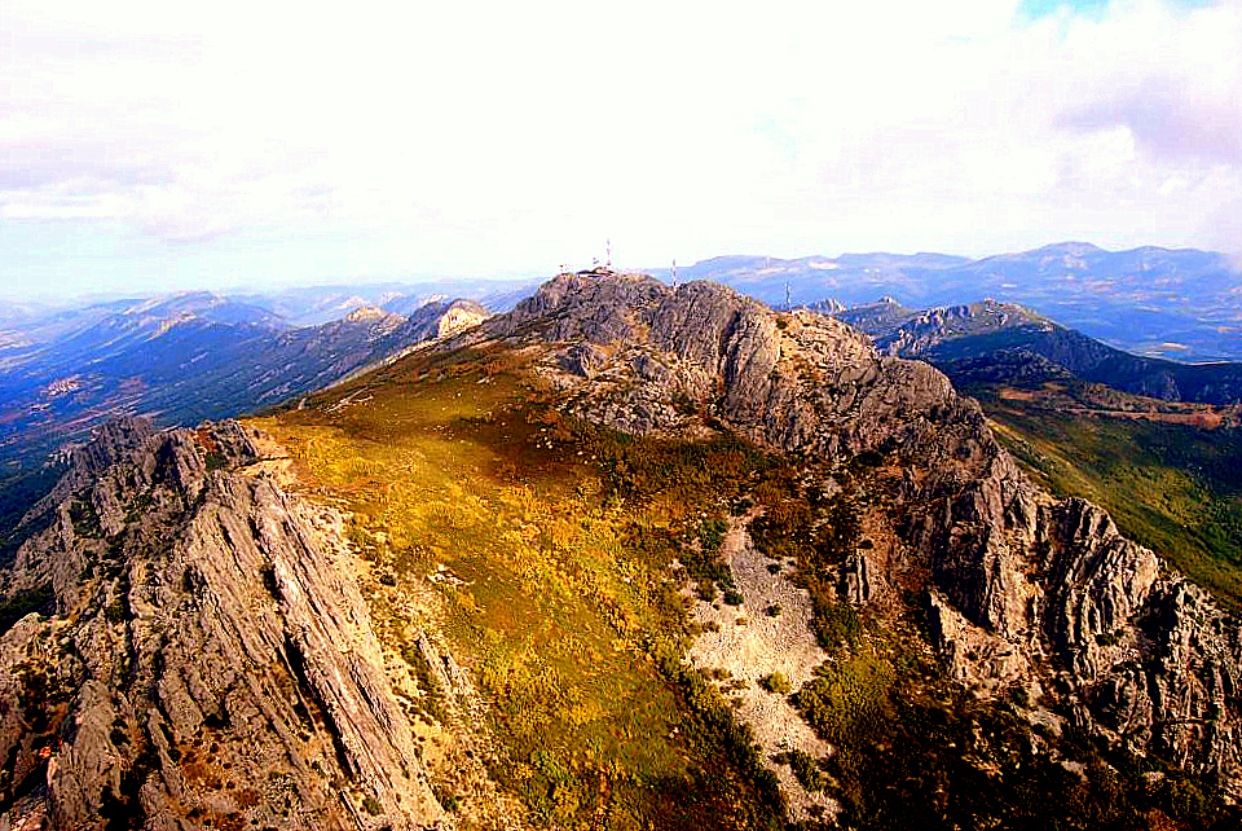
[[1182, 303], [983, 525], [952, 335], [868, 482], [172, 668], [187, 357]]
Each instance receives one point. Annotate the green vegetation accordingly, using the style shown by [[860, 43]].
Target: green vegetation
[[845, 701], [777, 683], [912, 748], [85, 518], [1175, 488], [372, 806], [19, 490], [706, 568], [806, 769], [551, 546]]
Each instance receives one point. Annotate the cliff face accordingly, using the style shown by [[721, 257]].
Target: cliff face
[[206, 657], [1022, 588]]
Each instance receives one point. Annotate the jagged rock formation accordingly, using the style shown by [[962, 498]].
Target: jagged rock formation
[[799, 382], [432, 322], [205, 659], [1022, 587], [442, 319]]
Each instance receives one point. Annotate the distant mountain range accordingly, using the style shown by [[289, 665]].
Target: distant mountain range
[[200, 355], [311, 305], [1004, 341], [1184, 304], [182, 359]]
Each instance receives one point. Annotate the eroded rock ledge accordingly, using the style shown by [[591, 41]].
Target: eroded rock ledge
[[205, 657]]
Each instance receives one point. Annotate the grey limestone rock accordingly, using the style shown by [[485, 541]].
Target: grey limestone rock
[[209, 660]]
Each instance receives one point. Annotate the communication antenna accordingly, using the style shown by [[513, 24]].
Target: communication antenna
[[608, 252], [788, 303], [674, 274]]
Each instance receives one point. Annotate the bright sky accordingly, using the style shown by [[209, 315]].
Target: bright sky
[[157, 145]]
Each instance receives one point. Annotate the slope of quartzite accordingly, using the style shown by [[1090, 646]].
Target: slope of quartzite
[[543, 550]]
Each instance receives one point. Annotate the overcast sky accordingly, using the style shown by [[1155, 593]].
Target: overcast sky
[[144, 146]]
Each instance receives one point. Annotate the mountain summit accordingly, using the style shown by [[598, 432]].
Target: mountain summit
[[629, 555]]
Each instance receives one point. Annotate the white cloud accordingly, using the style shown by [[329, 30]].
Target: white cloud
[[495, 135]]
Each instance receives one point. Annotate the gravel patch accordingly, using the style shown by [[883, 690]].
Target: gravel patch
[[750, 644]]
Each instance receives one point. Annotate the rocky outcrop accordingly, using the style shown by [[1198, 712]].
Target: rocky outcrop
[[206, 659], [432, 322], [459, 316], [799, 382], [1134, 651], [191, 649], [1021, 588]]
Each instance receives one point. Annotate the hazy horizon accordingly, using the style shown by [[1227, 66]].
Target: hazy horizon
[[149, 149], [241, 290]]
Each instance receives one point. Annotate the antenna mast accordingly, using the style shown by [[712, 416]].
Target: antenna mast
[[674, 274], [788, 303], [608, 252]]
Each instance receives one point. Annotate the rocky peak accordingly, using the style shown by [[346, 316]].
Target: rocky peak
[[829, 306], [460, 315], [1023, 588], [367, 314], [199, 654], [796, 381]]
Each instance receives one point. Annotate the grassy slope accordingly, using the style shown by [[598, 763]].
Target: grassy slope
[[1175, 488], [558, 543], [560, 539]]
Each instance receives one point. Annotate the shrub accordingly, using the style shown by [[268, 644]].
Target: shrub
[[777, 683], [847, 701], [711, 533], [806, 769]]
